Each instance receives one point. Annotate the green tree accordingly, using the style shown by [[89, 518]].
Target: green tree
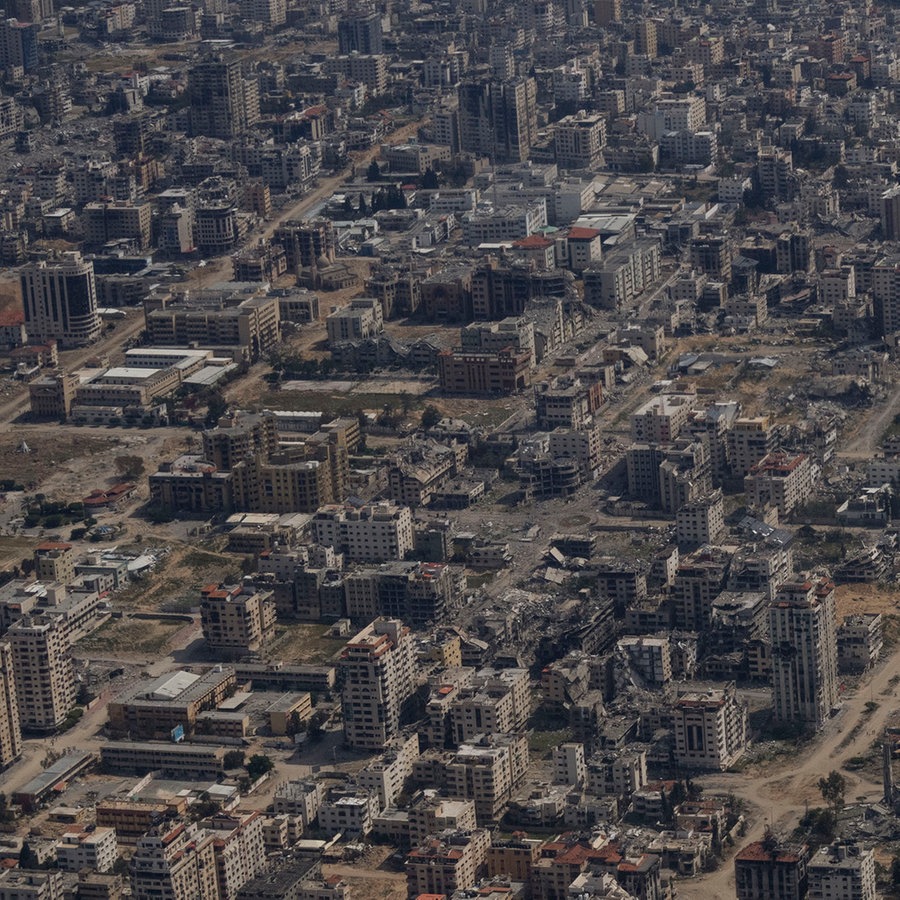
[[28, 859], [832, 789], [233, 759], [373, 173], [430, 180], [131, 466], [258, 766], [363, 206], [431, 415]]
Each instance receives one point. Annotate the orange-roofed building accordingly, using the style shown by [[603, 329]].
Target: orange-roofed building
[[447, 862], [766, 870], [584, 246]]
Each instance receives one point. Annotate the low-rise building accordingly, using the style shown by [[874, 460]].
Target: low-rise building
[[96, 849]]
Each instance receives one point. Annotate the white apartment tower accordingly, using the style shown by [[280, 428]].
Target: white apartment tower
[[378, 666], [804, 653]]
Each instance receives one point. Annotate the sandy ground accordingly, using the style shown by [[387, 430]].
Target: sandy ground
[[870, 598]]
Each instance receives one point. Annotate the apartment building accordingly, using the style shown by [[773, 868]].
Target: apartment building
[[447, 862], [432, 814], [650, 657], [60, 300], [486, 771], [568, 401], [300, 799], [96, 849], [110, 220], [700, 521], [569, 765], [859, 642], [579, 141], [699, 579], [802, 630], [51, 396], [661, 418], [236, 619], [23, 884], [710, 729], [418, 593], [493, 702], [10, 728], [379, 671], [422, 468], [189, 484], [780, 479], [349, 810], [43, 671], [362, 319], [374, 533], [177, 863], [768, 869], [842, 871], [502, 372], [240, 436], [750, 440], [238, 850], [54, 561], [252, 324], [385, 776], [222, 104]]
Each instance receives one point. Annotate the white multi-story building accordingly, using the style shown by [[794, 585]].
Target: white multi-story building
[[378, 667], [803, 630], [239, 850], [710, 729], [569, 765], [97, 850], [842, 871], [373, 533], [487, 224], [781, 480], [660, 419], [348, 811], [44, 674]]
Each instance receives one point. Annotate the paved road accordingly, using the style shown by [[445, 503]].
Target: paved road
[[110, 344], [219, 269]]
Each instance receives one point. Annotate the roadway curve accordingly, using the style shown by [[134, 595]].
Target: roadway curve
[[779, 796]]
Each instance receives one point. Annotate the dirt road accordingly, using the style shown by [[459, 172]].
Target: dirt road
[[779, 797], [869, 431]]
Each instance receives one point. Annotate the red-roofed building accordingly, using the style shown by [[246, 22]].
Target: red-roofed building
[[99, 498], [538, 248], [764, 870], [447, 862], [584, 246], [236, 620], [779, 479]]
